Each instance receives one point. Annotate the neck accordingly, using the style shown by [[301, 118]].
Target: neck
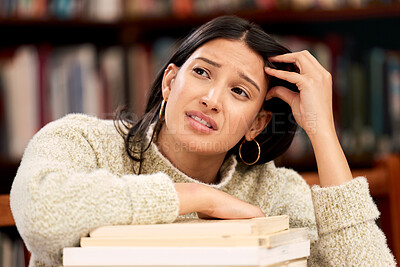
[[204, 168]]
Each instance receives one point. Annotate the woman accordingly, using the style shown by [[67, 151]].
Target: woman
[[219, 113]]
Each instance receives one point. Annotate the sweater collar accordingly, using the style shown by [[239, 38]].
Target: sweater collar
[[154, 161]]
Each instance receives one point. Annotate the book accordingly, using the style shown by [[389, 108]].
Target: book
[[44, 54], [3, 133], [6, 250], [58, 89], [112, 72], [105, 10], [302, 262], [21, 87], [376, 62], [255, 226], [184, 256], [85, 57], [267, 241], [140, 77], [393, 86]]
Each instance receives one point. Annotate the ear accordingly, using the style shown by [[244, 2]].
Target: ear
[[258, 125], [168, 79]]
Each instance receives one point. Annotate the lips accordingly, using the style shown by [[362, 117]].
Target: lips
[[203, 119]]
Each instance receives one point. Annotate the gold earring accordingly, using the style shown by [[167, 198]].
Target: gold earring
[[258, 156], [162, 110]]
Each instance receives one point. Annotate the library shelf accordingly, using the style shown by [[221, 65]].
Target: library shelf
[[379, 20], [139, 28], [378, 11], [274, 16]]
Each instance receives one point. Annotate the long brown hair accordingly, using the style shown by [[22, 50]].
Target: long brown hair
[[276, 137]]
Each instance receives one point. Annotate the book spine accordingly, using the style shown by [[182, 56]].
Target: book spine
[[393, 78]]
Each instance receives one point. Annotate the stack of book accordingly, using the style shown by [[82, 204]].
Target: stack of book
[[251, 242]]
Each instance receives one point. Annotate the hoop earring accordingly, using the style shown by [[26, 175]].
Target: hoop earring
[[162, 110], [258, 156]]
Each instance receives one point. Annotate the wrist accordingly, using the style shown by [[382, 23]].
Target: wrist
[[322, 133], [193, 197], [333, 168]]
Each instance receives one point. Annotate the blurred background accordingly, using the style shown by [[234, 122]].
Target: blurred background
[[90, 56]]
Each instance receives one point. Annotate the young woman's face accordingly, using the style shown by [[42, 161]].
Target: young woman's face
[[214, 98]]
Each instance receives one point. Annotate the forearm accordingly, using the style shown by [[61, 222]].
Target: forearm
[[348, 235], [333, 168], [61, 191]]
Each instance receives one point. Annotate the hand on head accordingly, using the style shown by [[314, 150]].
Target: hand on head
[[312, 106]]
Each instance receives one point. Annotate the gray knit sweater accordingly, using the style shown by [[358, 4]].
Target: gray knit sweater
[[75, 175]]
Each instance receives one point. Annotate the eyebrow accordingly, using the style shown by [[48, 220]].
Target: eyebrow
[[215, 64], [241, 74], [247, 78]]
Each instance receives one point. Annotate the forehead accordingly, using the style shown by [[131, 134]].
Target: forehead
[[232, 54]]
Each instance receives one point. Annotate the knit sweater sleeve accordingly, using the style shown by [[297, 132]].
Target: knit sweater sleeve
[[341, 220], [60, 193], [348, 234]]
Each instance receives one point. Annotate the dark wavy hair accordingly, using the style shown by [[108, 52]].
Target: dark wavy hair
[[274, 139]]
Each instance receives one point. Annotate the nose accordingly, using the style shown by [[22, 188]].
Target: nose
[[212, 100]]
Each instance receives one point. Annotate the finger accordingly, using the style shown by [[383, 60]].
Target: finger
[[300, 59], [203, 216], [283, 93], [292, 57], [289, 76], [304, 60]]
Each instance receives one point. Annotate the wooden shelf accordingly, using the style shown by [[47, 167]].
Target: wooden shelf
[[377, 11], [6, 218], [130, 29], [51, 22], [276, 16]]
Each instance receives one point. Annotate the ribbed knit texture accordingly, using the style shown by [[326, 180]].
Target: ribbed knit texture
[[75, 175]]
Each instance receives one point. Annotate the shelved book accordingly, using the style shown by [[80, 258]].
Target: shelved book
[[251, 242]]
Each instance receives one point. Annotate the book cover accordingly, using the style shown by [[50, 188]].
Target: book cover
[[256, 226], [184, 256], [267, 241]]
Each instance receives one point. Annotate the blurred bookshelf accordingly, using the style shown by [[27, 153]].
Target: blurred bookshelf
[[91, 56]]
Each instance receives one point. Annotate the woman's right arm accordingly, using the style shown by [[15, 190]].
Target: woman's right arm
[[65, 186]]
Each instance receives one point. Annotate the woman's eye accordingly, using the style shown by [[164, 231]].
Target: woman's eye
[[240, 92], [200, 72]]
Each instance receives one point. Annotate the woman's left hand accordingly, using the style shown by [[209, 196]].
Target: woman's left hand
[[312, 107]]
